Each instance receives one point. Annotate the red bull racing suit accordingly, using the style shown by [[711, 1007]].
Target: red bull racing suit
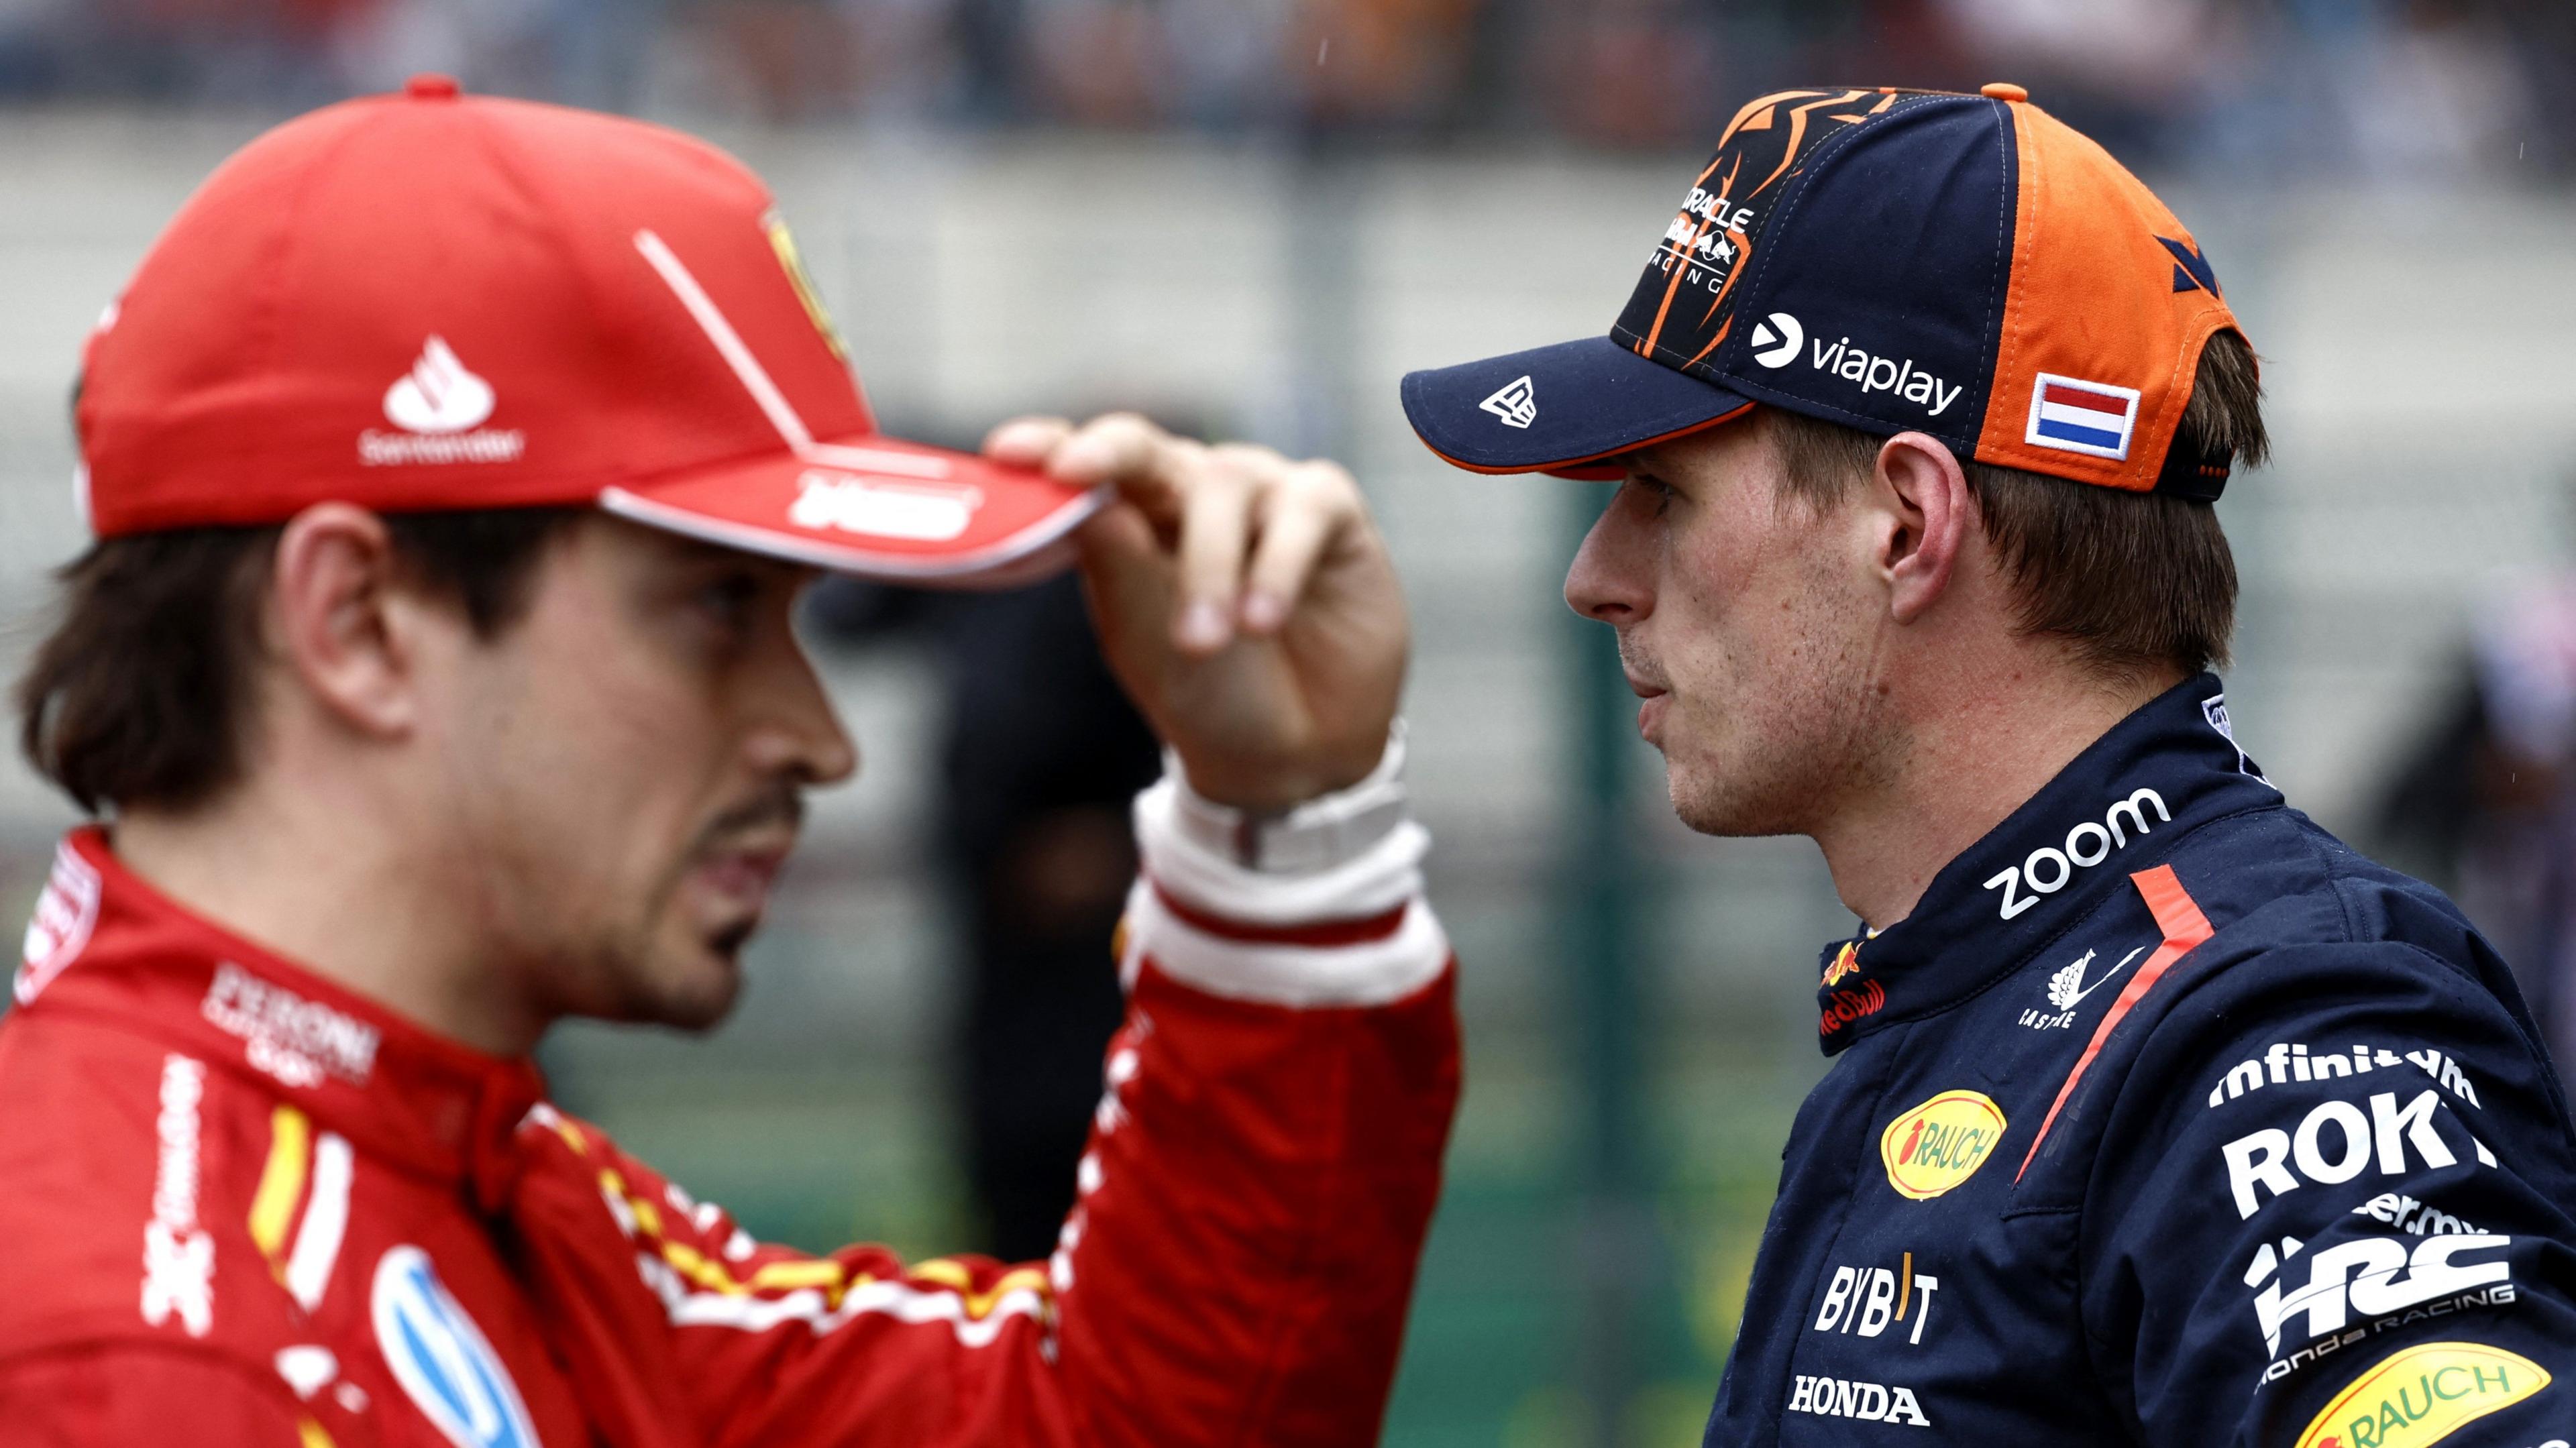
[[2166, 1118], [247, 1207]]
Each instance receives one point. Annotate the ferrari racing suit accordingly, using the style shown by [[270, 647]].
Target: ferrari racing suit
[[246, 1207]]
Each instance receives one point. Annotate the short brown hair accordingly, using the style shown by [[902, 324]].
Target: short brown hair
[[2134, 581], [139, 695]]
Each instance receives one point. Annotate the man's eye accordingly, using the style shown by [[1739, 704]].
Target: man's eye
[[729, 600], [1654, 489]]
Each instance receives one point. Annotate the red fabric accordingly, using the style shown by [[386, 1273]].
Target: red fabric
[[1237, 1269], [1361, 931], [124, 1395]]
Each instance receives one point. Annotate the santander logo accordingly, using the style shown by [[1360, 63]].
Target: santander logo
[[440, 407], [437, 395]]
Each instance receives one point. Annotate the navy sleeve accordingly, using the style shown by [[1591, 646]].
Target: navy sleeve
[[2331, 1209]]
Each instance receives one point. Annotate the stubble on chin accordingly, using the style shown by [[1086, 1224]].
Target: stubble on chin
[[654, 971], [1775, 775], [1741, 799]]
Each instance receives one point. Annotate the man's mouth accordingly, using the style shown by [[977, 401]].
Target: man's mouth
[[743, 872], [1650, 718], [742, 851], [1646, 685]]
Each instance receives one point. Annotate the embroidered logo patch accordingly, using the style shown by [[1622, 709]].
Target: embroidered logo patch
[[2422, 1395], [1941, 1143], [2072, 415], [1515, 402], [440, 406]]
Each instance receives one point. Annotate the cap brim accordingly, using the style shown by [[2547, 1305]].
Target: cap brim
[[1556, 409], [877, 507]]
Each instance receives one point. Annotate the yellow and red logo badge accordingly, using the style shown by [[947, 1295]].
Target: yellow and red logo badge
[[2421, 1395], [1844, 964], [784, 244], [1940, 1143]]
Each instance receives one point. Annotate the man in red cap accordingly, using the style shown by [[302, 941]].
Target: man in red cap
[[455, 465], [2156, 1114]]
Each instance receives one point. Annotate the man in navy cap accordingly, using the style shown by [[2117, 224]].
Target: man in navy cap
[[2156, 1114]]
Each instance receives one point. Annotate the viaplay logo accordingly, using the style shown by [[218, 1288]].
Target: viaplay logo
[[1780, 338], [1776, 340]]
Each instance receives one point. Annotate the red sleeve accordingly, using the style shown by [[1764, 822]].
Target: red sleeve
[[1237, 1268], [131, 1397]]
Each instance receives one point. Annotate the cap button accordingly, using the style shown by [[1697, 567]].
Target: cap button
[[2003, 91], [431, 87]]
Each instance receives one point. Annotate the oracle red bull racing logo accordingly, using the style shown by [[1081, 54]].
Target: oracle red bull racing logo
[[1941, 1143], [1842, 1007]]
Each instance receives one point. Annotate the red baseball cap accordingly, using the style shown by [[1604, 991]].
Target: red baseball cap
[[432, 301]]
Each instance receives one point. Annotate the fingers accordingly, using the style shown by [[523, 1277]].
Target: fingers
[[1148, 466], [1027, 442], [1130, 580], [1217, 503], [1244, 529], [1309, 508]]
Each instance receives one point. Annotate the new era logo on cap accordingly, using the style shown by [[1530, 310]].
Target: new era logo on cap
[[1516, 402], [2072, 415]]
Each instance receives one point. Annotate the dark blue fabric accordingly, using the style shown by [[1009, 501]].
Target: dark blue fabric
[[1890, 255], [1591, 398], [2191, 268], [2141, 1281]]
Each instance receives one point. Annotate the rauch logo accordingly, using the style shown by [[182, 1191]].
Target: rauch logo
[[2422, 1395], [1941, 1143]]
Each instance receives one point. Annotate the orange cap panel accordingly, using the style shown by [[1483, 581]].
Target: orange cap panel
[[2077, 312]]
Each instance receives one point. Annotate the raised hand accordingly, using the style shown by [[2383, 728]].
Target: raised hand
[[1245, 602]]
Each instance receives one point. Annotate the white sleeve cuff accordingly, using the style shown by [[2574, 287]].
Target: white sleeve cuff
[[1346, 856], [1202, 915]]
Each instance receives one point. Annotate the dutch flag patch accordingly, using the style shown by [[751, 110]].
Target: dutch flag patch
[[2073, 415]]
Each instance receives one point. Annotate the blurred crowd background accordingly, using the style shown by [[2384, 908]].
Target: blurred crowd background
[[1248, 218], [2394, 87]]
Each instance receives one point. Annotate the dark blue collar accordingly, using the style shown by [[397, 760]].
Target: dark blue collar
[[2166, 769]]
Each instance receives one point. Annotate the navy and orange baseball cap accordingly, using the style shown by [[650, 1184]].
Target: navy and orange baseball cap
[[1966, 266], [433, 301]]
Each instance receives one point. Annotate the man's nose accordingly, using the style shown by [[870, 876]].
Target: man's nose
[[1606, 581], [800, 735]]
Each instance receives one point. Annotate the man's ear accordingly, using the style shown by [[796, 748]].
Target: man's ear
[[1922, 497], [337, 621]]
